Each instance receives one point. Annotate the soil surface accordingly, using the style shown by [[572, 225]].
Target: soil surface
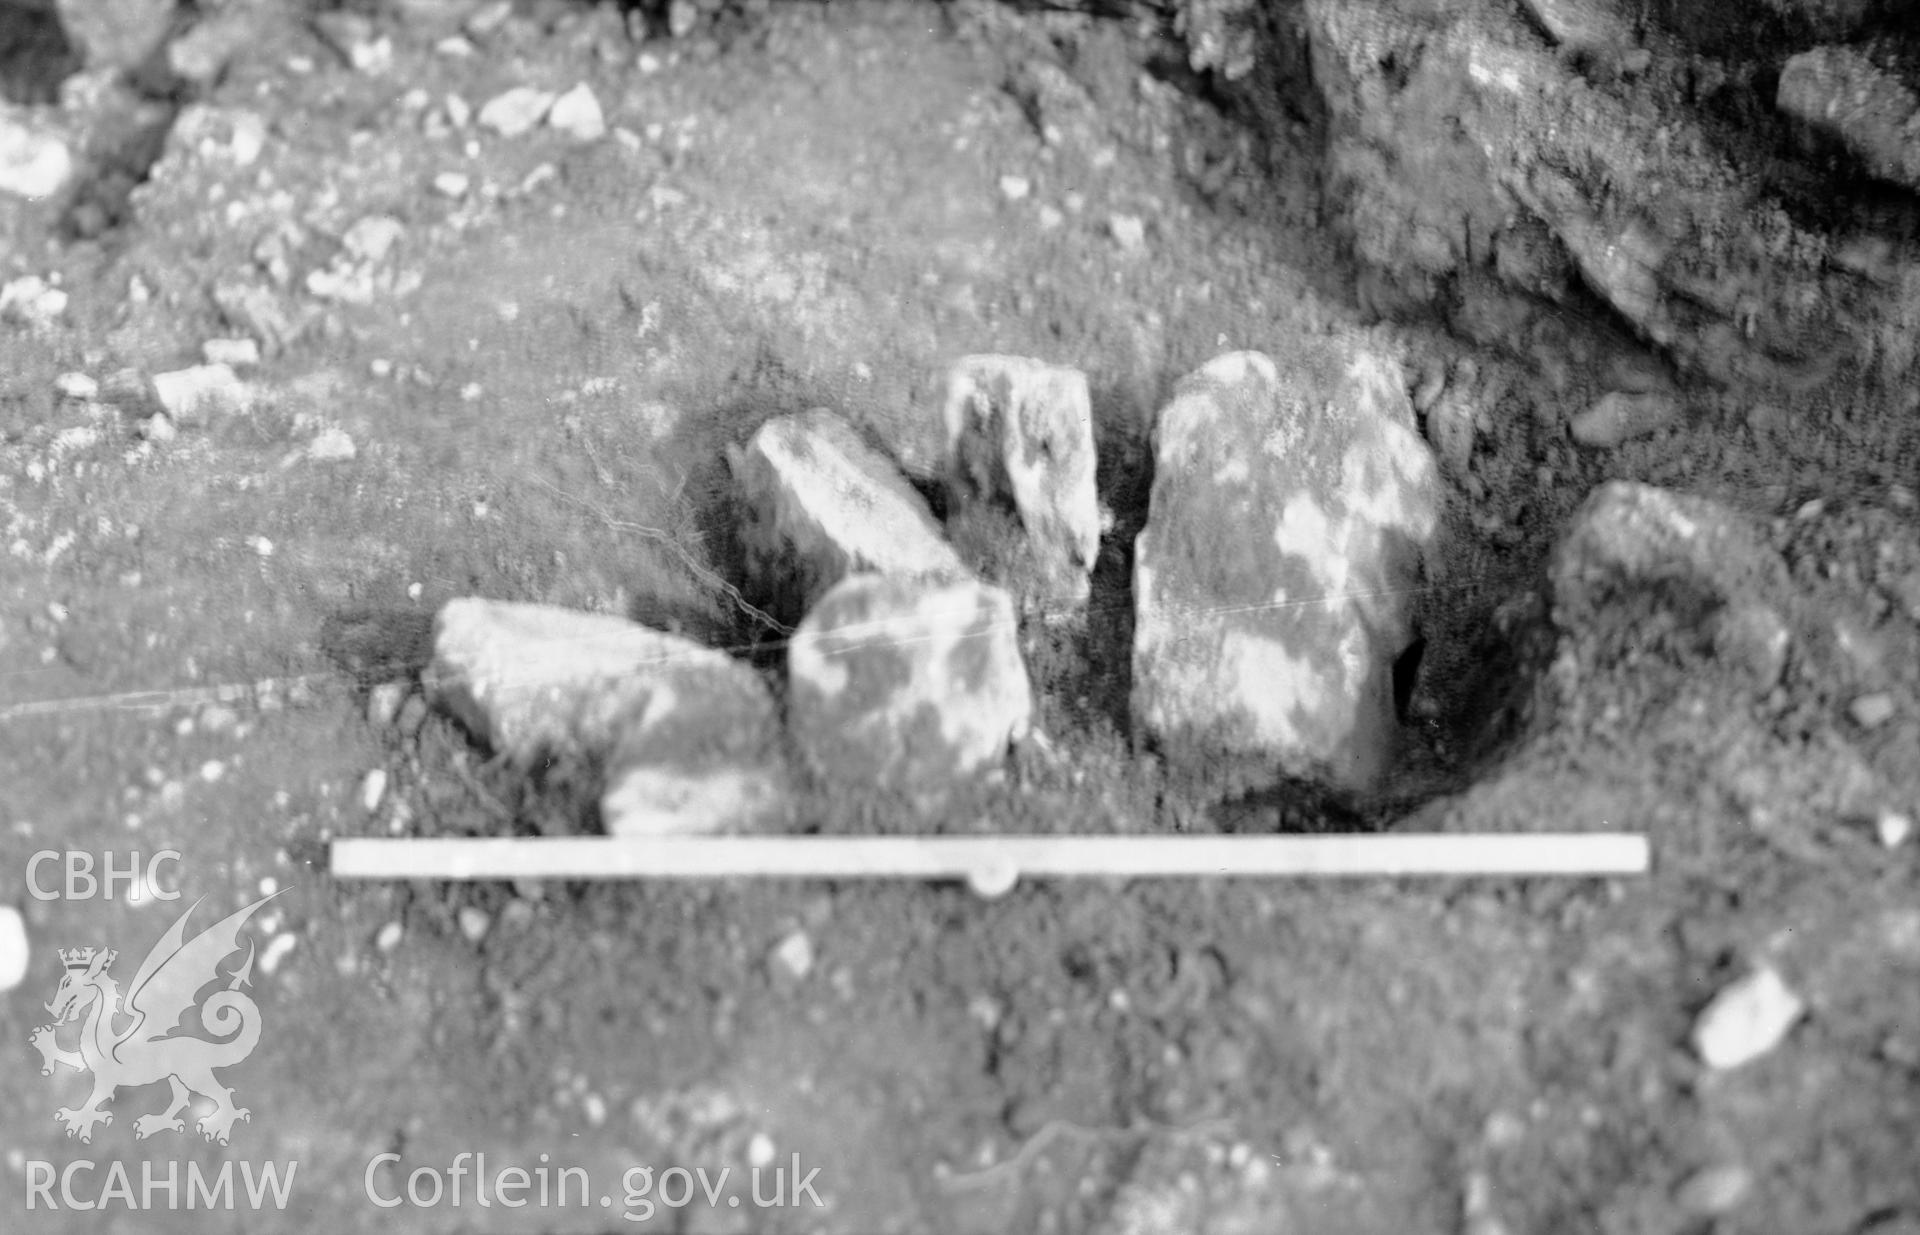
[[539, 375]]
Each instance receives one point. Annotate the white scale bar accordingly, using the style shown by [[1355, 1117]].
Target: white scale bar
[[991, 864]]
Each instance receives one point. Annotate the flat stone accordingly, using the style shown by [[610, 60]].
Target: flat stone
[[1871, 711], [537, 680], [1840, 92], [907, 684], [1747, 1020], [201, 393], [1618, 417], [1020, 431], [1291, 513], [1580, 25], [820, 504]]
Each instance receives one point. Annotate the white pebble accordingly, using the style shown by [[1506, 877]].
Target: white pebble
[[452, 184], [76, 386], [761, 1151], [1617, 417], [475, 922], [383, 703], [32, 164], [594, 1107], [276, 951], [389, 937], [1746, 1020], [794, 955], [330, 446], [241, 353], [515, 112], [158, 428], [212, 770], [1015, 188], [459, 111], [372, 789], [13, 948], [263, 546], [372, 238], [1714, 1190], [1129, 232], [1894, 828], [1872, 711], [577, 114], [31, 299]]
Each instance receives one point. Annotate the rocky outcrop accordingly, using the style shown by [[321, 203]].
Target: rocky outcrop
[[1466, 159], [1293, 504]]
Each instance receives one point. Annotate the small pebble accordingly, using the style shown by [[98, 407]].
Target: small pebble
[[1746, 1020], [475, 922], [383, 703], [761, 1151], [331, 446], [1619, 417], [577, 114], [276, 951], [373, 787], [33, 164], [1893, 828], [452, 184], [1714, 1190], [241, 353], [212, 770], [515, 112], [14, 952], [459, 111], [218, 719], [1129, 232], [1050, 218], [1015, 188], [372, 238], [413, 714], [1872, 711], [76, 386], [32, 300], [794, 956], [389, 937], [262, 546]]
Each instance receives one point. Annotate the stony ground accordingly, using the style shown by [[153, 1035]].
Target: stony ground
[[522, 387]]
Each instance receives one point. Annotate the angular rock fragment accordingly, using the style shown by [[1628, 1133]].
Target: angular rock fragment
[[1021, 431], [1840, 92], [577, 114], [515, 112], [1291, 513], [1699, 561], [688, 735], [907, 684], [821, 504]]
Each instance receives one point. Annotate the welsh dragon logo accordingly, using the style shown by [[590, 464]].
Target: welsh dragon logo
[[143, 1048]]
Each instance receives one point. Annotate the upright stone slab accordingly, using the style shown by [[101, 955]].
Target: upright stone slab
[[1020, 431], [820, 504], [1291, 511], [689, 736], [907, 684]]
